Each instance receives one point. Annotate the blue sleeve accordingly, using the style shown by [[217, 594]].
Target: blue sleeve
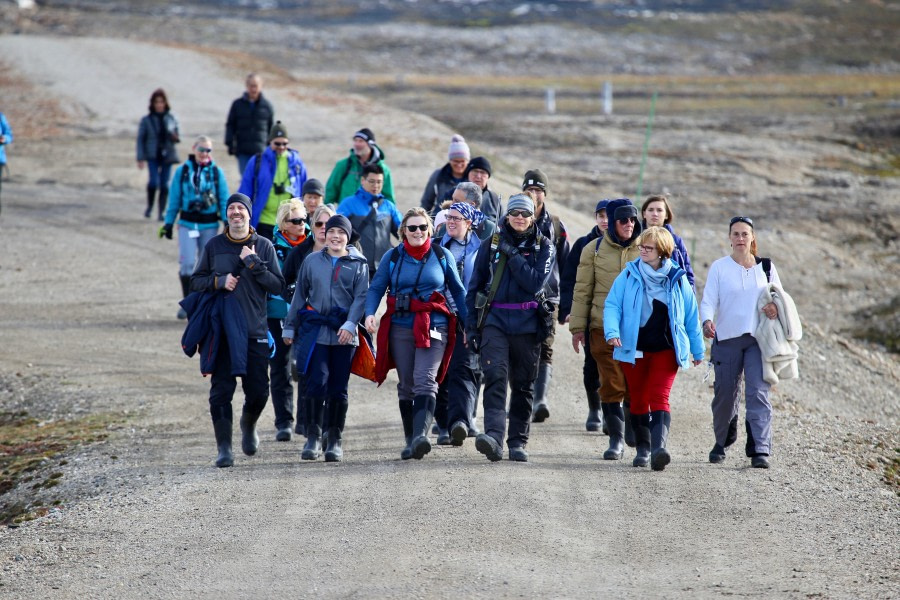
[[395, 214], [455, 286], [612, 308], [692, 320], [175, 193], [379, 284], [5, 129], [223, 194]]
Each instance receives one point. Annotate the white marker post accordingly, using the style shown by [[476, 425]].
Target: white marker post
[[551, 101]]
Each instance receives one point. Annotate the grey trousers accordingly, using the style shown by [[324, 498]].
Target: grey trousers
[[417, 368], [733, 359]]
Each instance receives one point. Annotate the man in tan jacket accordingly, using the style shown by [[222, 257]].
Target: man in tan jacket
[[600, 264]]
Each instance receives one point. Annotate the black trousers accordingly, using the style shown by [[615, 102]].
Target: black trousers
[[255, 382], [508, 360], [459, 391], [280, 372]]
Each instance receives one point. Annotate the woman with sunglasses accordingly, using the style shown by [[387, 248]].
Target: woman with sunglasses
[[510, 272], [650, 320], [730, 317], [290, 232], [418, 331], [199, 194], [314, 242]]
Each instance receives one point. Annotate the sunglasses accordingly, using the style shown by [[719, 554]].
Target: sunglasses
[[746, 220], [520, 213], [627, 220], [320, 224], [412, 228], [202, 149], [298, 221], [280, 144]]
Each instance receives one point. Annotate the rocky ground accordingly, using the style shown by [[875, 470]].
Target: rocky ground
[[88, 298]]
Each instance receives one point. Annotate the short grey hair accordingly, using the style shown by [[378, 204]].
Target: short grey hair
[[472, 192]]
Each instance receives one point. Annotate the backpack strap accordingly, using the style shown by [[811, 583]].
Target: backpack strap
[[767, 267]]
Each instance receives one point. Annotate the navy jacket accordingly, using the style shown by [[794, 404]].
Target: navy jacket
[[248, 125], [210, 315]]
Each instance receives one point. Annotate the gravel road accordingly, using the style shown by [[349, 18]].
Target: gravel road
[[87, 305]]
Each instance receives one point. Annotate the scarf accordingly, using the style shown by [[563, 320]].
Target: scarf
[[417, 252], [654, 286]]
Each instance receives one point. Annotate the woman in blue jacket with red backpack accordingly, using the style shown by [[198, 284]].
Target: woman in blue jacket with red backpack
[[651, 319]]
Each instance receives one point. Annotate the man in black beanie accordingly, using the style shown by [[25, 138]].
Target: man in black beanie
[[239, 267], [536, 185], [344, 179], [479, 172]]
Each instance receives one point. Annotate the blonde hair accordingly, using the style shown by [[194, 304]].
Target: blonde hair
[[322, 208], [659, 237], [202, 139], [286, 208], [416, 211]]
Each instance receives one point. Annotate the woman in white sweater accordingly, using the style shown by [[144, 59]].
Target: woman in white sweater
[[730, 316]]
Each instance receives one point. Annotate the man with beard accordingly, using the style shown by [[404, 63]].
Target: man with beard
[[344, 178]]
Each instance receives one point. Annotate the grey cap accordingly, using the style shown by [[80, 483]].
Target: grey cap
[[520, 202], [313, 186]]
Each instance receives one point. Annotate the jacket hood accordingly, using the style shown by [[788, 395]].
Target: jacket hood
[[377, 155], [611, 231]]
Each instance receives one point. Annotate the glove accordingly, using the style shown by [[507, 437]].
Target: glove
[[165, 230], [473, 340], [508, 249]]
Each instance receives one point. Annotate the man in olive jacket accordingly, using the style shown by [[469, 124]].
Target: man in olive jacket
[[249, 121], [600, 264]]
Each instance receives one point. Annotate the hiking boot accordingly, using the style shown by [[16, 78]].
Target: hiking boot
[[489, 447], [717, 454], [518, 454]]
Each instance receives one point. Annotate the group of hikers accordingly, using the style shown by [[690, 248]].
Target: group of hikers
[[294, 286]]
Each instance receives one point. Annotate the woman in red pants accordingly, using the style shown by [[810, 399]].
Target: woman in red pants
[[650, 318]]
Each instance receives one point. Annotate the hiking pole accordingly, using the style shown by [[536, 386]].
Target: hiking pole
[[640, 186]]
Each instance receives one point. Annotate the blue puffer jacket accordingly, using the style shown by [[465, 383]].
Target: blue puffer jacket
[[522, 279], [257, 185], [6, 131], [622, 314], [188, 191]]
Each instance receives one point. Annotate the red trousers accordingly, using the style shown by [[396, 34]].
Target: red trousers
[[650, 380]]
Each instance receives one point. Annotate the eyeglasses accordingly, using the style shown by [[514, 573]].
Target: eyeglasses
[[455, 219], [375, 181], [535, 190], [412, 228], [320, 224], [746, 220], [520, 213], [647, 248], [205, 150], [280, 144], [627, 220], [299, 221]]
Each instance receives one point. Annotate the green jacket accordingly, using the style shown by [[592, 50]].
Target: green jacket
[[344, 178]]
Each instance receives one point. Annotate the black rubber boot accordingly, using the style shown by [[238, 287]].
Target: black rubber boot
[[641, 426], [629, 432], [614, 417], [595, 415], [406, 416], [313, 447], [185, 290], [163, 197], [423, 414], [334, 452], [541, 408], [222, 428], [249, 437], [659, 435], [151, 196], [731, 436], [300, 423]]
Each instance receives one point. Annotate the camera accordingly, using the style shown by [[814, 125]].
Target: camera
[[278, 188]]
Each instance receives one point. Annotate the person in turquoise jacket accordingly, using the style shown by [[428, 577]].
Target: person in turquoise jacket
[[197, 199], [650, 318], [6, 137]]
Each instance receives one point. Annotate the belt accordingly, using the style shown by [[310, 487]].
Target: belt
[[522, 306]]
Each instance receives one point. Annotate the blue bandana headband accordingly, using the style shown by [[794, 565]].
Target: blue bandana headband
[[469, 212]]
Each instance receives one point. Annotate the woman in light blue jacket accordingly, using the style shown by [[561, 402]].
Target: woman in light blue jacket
[[650, 319]]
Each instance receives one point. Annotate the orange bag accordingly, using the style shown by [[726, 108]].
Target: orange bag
[[363, 363]]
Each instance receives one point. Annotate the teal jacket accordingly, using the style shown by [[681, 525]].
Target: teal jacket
[[622, 314], [198, 194], [344, 178], [6, 131]]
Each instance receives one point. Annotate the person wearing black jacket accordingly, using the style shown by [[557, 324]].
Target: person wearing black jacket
[[510, 335], [590, 374], [249, 121], [240, 263]]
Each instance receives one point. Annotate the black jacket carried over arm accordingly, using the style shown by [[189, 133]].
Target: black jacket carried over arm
[[259, 273], [248, 125]]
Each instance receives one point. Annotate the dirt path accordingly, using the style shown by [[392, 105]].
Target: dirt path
[[87, 300]]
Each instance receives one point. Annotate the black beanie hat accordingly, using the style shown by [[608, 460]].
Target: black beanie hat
[[479, 162], [535, 178], [365, 134], [278, 130], [341, 222], [243, 199], [313, 186]]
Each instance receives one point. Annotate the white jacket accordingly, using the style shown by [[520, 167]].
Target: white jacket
[[777, 337]]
